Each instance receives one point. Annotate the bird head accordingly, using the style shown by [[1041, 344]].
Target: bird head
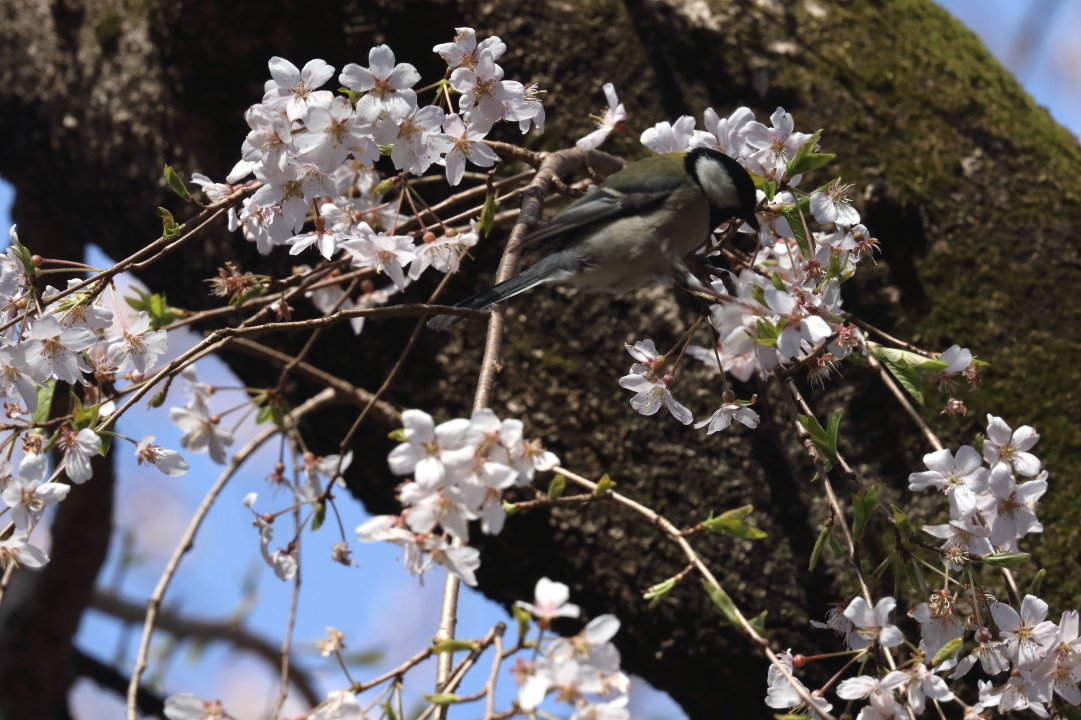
[[727, 185]]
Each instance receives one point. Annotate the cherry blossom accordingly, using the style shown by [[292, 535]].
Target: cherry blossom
[[1002, 446], [724, 134], [332, 133], [79, 447], [613, 116], [270, 141], [293, 91], [339, 705], [383, 253], [460, 561], [651, 393], [938, 622], [465, 143], [386, 86], [773, 147], [185, 706], [411, 138], [665, 137], [550, 601], [872, 624], [27, 496], [959, 477], [202, 432], [723, 417], [832, 205], [1025, 633], [18, 375], [140, 344], [484, 90], [465, 49], [426, 448], [53, 350], [169, 462], [16, 551], [1010, 507], [782, 693]]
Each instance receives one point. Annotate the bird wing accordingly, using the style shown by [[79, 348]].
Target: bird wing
[[602, 204]]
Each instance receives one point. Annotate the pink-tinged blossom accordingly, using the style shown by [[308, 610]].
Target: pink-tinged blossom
[[798, 324], [54, 351], [79, 448], [723, 134], [611, 710], [872, 624], [960, 477], [465, 49], [169, 462], [782, 694], [483, 89], [724, 416], [269, 142], [387, 86], [832, 205], [920, 684], [17, 552], [1010, 508], [1019, 694], [773, 147], [938, 621], [332, 133], [282, 561], [963, 537], [28, 497], [838, 623], [427, 447], [428, 508], [444, 253], [665, 137], [651, 392], [550, 601], [465, 142], [16, 375], [141, 344], [411, 137], [1026, 633], [991, 655], [294, 91], [878, 691], [592, 646], [325, 241], [339, 705], [526, 456], [185, 706], [291, 190], [1011, 448], [460, 561], [956, 358], [202, 432], [526, 110], [383, 253], [613, 116]]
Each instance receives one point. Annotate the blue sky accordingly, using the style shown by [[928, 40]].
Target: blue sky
[[377, 604]]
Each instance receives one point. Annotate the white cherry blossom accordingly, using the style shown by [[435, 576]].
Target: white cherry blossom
[[386, 86], [614, 114], [294, 91]]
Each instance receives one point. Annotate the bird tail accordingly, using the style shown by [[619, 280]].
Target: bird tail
[[538, 274]]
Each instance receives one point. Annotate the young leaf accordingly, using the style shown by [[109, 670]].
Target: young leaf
[[820, 544], [443, 699], [446, 646], [731, 523], [176, 183], [168, 225], [1006, 560], [864, 504], [487, 215], [906, 374], [778, 283], [946, 652], [831, 429], [604, 486], [319, 516], [819, 436], [768, 333], [522, 616], [398, 435], [806, 159], [45, 401], [721, 600], [557, 486], [1037, 581], [659, 592]]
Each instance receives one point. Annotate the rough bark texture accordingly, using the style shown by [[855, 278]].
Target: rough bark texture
[[972, 189]]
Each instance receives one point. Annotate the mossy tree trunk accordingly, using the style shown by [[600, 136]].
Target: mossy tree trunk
[[971, 188]]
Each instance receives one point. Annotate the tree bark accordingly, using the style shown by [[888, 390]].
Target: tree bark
[[971, 188]]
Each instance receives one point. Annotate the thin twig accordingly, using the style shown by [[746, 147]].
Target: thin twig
[[903, 399], [187, 539]]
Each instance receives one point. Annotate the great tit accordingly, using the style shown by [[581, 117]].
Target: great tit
[[634, 229]]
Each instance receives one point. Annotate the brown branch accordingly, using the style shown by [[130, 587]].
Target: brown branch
[[108, 677], [204, 630]]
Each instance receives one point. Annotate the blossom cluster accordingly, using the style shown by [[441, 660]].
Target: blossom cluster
[[314, 152], [575, 668], [460, 469], [989, 512], [78, 339]]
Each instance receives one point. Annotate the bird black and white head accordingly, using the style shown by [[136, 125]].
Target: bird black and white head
[[728, 187]]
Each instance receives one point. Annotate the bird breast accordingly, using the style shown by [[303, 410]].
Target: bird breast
[[634, 251]]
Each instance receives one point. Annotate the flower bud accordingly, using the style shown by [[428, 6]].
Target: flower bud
[[798, 661], [668, 380], [37, 260], [214, 419], [428, 236], [728, 397], [367, 286], [451, 232]]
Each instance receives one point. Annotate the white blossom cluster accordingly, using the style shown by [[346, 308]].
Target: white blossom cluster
[[583, 670], [460, 469], [314, 152], [989, 512], [80, 339]]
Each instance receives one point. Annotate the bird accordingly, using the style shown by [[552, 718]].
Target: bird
[[634, 229]]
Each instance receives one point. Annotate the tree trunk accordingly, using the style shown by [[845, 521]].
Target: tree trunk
[[971, 188]]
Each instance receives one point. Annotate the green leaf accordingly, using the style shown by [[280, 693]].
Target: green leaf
[[978, 441], [835, 547], [758, 622], [158, 400], [487, 215], [353, 95], [906, 374], [1037, 582], [759, 294], [721, 600], [557, 486], [820, 544], [388, 710], [946, 652], [806, 159], [83, 417], [790, 716], [447, 646], [819, 436], [902, 521], [731, 523], [176, 183], [758, 180], [1070, 713], [831, 429], [106, 442], [524, 618], [864, 504], [398, 435], [168, 225], [319, 516], [778, 282], [791, 213], [660, 592], [604, 486], [768, 333], [443, 699], [45, 401], [909, 359], [1006, 560], [510, 508]]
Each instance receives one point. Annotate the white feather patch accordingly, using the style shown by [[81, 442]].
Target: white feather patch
[[717, 183]]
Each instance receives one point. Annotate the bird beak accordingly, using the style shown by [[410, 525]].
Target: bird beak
[[752, 220]]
